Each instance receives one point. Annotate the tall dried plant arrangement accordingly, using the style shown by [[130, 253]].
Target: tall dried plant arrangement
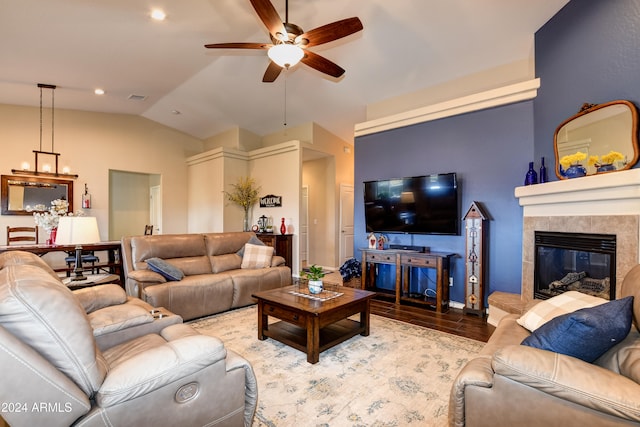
[[244, 194]]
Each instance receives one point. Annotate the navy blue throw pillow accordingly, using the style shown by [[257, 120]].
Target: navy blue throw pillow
[[586, 333], [167, 270]]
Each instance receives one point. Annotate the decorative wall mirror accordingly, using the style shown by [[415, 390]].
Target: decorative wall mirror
[[24, 195], [598, 130]]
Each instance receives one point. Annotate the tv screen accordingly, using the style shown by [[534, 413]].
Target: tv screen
[[422, 204]]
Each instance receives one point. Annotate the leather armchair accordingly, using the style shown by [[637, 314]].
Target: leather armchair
[[514, 385], [54, 373], [114, 317]]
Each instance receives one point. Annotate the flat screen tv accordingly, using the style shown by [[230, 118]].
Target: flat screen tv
[[421, 204]]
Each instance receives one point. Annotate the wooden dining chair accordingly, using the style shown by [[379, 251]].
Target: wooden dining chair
[[22, 235], [148, 230]]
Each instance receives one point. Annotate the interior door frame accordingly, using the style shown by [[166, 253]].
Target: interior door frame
[[304, 209], [155, 208], [343, 254]]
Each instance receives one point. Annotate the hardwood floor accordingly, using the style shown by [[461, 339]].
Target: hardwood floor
[[453, 321]]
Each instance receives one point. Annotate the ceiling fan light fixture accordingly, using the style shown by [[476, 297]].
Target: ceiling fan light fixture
[[285, 55], [158, 15]]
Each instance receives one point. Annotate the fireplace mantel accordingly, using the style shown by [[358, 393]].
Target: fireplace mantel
[[614, 193], [605, 203]]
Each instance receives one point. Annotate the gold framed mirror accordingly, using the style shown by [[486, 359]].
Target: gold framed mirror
[[609, 129], [24, 195]]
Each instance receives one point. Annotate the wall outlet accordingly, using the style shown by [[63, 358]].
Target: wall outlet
[[450, 281]]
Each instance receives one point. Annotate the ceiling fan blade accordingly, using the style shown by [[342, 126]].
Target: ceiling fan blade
[[238, 46], [334, 31], [272, 73], [269, 17], [321, 64]]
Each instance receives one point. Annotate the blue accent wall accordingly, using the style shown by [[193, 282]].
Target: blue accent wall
[[588, 52], [489, 150]]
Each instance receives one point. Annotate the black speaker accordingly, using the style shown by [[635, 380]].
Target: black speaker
[[410, 248]]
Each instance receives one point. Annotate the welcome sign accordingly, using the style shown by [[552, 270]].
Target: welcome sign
[[271, 201]]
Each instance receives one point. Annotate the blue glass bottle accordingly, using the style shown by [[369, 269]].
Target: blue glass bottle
[[531, 177], [543, 172]]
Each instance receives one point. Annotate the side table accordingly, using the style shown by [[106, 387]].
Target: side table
[[282, 243]]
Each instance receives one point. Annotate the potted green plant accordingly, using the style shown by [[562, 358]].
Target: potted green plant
[[314, 274]]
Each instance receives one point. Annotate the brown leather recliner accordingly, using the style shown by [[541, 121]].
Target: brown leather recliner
[[54, 373]]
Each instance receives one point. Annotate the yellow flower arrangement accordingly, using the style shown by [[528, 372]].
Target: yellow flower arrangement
[[244, 194], [606, 159], [572, 159]]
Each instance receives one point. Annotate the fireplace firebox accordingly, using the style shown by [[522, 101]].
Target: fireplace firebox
[[574, 262]]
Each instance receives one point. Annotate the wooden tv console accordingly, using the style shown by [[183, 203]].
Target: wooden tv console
[[404, 261]]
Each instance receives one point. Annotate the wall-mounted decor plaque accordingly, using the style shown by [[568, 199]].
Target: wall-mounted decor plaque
[[270, 201]]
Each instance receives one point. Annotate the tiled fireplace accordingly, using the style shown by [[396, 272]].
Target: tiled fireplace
[[583, 262], [606, 204]]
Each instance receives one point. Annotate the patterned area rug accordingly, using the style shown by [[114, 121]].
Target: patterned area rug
[[399, 375]]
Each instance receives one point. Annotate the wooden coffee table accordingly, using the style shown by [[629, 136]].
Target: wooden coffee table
[[312, 325]]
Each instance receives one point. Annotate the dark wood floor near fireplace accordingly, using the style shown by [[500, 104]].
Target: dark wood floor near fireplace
[[452, 321]]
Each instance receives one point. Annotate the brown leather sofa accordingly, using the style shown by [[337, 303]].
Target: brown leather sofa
[[55, 374], [213, 279], [509, 384]]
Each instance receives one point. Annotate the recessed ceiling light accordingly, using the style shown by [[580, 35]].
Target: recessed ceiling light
[[158, 15], [99, 91]]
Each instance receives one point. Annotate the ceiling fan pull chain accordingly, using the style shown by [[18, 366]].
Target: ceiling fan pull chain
[[286, 72]]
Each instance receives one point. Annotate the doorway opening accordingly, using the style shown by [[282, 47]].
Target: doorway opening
[[132, 204]]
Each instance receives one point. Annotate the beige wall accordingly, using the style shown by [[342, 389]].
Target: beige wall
[[277, 172], [276, 169], [324, 176], [318, 176], [237, 138], [204, 188], [339, 170], [91, 144], [502, 75]]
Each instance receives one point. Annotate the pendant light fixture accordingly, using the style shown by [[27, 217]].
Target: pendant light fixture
[[46, 169]]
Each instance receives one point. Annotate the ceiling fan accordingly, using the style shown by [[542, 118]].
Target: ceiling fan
[[289, 43]]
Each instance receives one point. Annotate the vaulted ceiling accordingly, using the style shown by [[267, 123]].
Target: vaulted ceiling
[[406, 45]]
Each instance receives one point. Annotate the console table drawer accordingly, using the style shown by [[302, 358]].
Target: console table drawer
[[381, 258], [286, 315], [419, 261]]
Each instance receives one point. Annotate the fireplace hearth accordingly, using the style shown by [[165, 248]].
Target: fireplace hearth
[[574, 262]]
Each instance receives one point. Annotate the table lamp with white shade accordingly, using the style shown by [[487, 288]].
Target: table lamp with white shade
[[77, 230]]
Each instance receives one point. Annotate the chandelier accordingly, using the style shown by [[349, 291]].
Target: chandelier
[[46, 169]]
